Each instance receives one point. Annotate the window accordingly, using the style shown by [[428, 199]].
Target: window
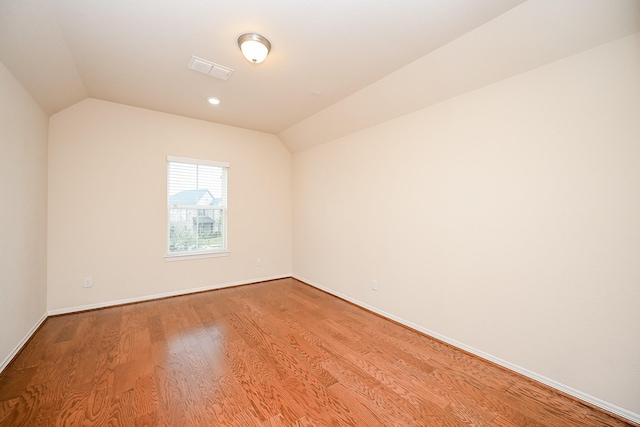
[[197, 207]]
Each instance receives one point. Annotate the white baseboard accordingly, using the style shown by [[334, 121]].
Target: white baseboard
[[631, 416], [159, 296], [22, 342]]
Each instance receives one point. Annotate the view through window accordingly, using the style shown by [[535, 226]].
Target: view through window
[[197, 206]]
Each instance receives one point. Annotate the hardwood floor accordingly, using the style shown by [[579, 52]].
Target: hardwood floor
[[277, 353]]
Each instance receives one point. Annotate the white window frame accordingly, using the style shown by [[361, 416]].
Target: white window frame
[[196, 254]]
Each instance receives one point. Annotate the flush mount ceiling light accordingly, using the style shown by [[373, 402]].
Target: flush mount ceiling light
[[254, 47], [213, 101]]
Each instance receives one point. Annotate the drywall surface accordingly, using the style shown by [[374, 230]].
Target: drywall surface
[[508, 45], [23, 217], [506, 219], [108, 204]]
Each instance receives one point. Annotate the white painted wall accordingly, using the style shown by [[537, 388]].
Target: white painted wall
[[107, 204], [507, 219], [23, 216]]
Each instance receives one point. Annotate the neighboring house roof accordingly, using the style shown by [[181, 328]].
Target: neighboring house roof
[[203, 220], [200, 197]]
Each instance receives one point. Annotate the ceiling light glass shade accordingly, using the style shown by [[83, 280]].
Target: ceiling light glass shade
[[254, 47]]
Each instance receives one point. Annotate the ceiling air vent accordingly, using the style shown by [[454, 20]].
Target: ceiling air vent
[[208, 67]]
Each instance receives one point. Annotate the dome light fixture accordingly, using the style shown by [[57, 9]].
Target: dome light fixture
[[254, 47], [213, 101]]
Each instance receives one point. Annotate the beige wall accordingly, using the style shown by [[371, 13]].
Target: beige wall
[[506, 219], [23, 216], [107, 204]]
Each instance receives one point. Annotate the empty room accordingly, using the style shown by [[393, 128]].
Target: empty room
[[320, 213]]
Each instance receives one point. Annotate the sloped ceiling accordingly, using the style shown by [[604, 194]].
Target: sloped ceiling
[[371, 60]]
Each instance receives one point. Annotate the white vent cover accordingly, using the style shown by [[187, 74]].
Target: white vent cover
[[208, 67]]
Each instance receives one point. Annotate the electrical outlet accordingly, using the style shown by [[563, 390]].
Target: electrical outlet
[[374, 285], [87, 282], [259, 261]]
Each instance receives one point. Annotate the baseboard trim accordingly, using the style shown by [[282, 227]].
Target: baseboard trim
[[95, 306], [591, 400], [22, 342]]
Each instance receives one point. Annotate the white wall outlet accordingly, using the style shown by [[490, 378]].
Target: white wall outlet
[[374, 285], [259, 261], [87, 282]]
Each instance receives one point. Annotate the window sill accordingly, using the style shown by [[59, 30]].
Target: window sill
[[185, 257]]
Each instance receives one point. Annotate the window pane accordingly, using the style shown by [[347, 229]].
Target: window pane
[[197, 199], [198, 185], [210, 229], [181, 234]]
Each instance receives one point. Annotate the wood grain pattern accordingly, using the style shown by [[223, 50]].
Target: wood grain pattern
[[272, 354]]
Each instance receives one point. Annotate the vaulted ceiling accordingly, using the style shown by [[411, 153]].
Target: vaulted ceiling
[[369, 60]]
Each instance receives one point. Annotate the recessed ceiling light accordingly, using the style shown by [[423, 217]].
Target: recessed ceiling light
[[213, 101]]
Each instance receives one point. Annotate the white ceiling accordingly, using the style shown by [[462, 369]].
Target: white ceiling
[[135, 52]]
